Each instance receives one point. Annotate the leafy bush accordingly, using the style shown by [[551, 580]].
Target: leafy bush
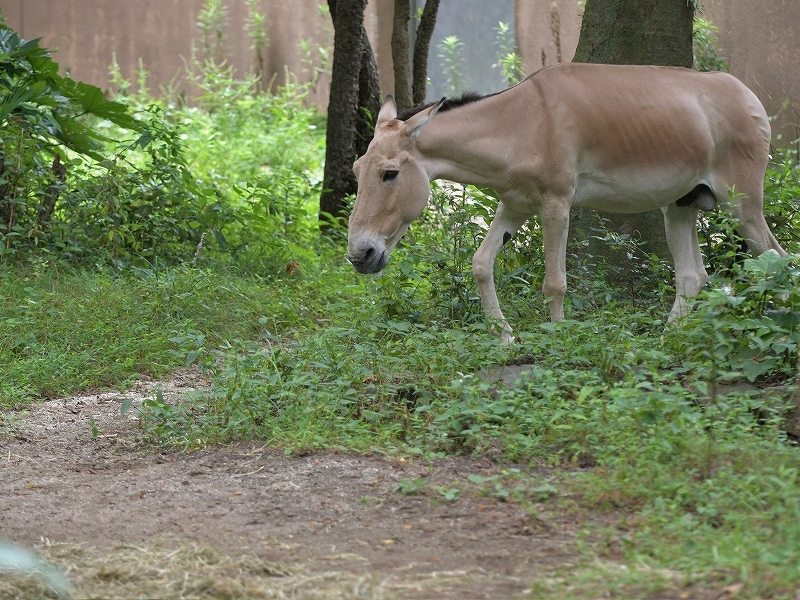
[[68, 189], [138, 180], [744, 326], [262, 155], [781, 191], [508, 59], [707, 55]]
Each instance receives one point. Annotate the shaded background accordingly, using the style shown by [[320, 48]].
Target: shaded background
[[761, 40]]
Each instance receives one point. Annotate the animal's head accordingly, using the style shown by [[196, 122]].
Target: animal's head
[[393, 188]]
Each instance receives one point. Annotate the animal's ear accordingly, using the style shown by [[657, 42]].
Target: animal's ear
[[415, 123], [388, 111]]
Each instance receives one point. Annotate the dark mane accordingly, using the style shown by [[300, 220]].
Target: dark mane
[[449, 103]]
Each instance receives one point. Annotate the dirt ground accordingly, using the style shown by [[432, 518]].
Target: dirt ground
[[246, 521]]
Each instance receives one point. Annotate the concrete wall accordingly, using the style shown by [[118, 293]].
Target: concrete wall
[[471, 20]]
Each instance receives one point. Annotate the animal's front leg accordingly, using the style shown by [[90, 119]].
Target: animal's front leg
[[555, 227], [505, 224]]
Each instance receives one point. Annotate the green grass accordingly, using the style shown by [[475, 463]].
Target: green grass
[[66, 330], [695, 488], [708, 485]]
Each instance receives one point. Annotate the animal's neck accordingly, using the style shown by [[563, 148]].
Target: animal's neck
[[472, 144]]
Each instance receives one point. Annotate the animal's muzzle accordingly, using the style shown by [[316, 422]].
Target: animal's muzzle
[[367, 258]]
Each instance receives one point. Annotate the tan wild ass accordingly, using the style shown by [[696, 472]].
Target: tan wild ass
[[622, 139]]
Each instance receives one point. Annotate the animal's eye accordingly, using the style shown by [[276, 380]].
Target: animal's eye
[[389, 175]]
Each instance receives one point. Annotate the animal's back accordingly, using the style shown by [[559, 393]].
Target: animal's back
[[644, 114], [639, 135]]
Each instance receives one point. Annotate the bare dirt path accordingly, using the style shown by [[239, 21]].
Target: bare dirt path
[[245, 521]]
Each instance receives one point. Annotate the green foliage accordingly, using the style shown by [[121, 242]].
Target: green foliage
[[451, 52], [411, 488], [36, 102], [508, 59], [431, 277], [781, 191], [317, 57], [212, 22], [236, 176], [54, 128], [62, 330], [707, 55], [526, 486], [261, 156], [256, 28], [67, 190], [732, 328]]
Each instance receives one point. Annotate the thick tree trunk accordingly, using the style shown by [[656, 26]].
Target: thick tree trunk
[[636, 32], [656, 32], [353, 106]]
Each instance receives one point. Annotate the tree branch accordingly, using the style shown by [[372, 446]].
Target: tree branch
[[421, 49], [400, 44]]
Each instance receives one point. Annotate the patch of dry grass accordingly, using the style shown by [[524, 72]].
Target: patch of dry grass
[[169, 568], [172, 569]]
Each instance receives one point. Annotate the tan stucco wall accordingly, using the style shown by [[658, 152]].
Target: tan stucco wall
[[535, 31], [762, 43], [86, 33], [761, 40]]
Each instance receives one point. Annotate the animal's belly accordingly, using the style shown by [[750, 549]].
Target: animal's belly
[[632, 193]]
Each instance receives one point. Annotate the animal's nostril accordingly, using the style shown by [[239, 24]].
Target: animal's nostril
[[369, 254]]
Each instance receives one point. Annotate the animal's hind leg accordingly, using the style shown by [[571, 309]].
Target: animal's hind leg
[[690, 273], [748, 209], [506, 222]]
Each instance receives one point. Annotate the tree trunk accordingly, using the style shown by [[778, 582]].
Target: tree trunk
[[656, 32], [369, 99], [421, 50], [636, 32], [6, 212], [51, 194], [353, 105], [400, 54], [411, 80]]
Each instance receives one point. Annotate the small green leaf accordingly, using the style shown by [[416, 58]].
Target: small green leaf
[[479, 478], [191, 357], [449, 494], [125, 407], [411, 488]]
